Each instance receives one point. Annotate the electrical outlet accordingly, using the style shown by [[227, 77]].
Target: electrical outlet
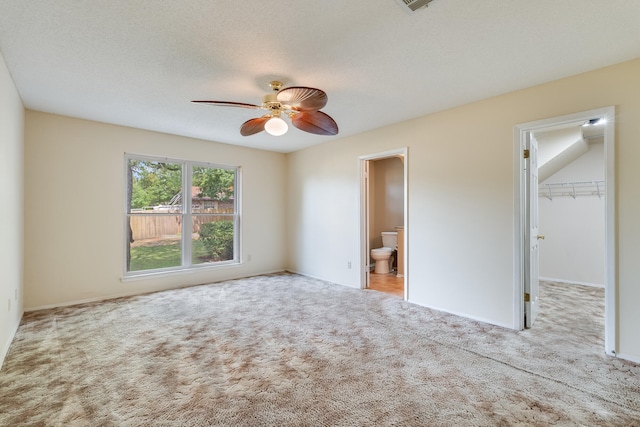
[[349, 265], [248, 257]]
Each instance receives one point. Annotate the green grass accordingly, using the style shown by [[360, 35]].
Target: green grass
[[166, 254]]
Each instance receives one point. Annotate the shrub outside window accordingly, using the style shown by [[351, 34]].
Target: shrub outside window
[[164, 230]]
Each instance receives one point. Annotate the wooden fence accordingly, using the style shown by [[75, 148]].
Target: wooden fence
[[153, 226]]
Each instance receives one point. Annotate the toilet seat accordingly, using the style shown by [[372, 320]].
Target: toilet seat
[[382, 250]]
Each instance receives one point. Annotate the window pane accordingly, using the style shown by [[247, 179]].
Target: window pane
[[154, 187], [165, 225], [212, 238], [213, 190], [155, 242]]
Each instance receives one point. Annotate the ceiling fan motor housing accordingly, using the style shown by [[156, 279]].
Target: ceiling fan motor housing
[[271, 103]]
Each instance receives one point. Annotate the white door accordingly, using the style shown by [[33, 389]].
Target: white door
[[531, 281]]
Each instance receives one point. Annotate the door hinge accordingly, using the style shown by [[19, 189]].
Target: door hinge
[[527, 297], [526, 154]]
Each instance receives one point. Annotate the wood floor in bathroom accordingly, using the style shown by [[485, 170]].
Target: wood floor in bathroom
[[388, 283]]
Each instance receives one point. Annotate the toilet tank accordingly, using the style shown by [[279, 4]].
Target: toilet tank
[[390, 239]]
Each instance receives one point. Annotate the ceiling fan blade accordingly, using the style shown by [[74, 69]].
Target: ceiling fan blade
[[253, 126], [229, 104], [315, 122], [302, 98]]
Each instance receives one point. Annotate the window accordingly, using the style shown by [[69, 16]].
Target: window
[[166, 230]]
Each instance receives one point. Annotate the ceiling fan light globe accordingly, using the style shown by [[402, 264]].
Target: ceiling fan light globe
[[276, 126]]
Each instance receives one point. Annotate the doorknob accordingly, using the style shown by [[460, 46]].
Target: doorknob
[[540, 237]]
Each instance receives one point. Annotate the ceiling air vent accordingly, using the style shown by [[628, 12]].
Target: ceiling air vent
[[413, 5]]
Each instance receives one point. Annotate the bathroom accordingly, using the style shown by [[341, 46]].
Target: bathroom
[[386, 214]]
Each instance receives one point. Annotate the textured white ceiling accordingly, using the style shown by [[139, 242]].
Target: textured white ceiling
[[139, 62]]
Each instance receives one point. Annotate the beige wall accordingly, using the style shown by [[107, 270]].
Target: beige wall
[[11, 223], [461, 198], [74, 227]]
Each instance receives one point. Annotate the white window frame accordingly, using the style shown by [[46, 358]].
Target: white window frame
[[187, 216]]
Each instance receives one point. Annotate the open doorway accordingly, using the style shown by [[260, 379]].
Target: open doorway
[[383, 215], [529, 162], [571, 191]]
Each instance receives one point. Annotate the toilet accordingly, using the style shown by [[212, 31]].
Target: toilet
[[384, 256]]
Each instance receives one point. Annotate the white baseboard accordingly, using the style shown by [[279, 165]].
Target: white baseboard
[[134, 293], [319, 278], [5, 347], [630, 358], [479, 319], [466, 316], [288, 270], [571, 282]]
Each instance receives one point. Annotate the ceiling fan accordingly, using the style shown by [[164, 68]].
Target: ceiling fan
[[301, 104]]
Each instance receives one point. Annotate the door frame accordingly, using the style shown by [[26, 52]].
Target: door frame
[[610, 276], [364, 213], [531, 235]]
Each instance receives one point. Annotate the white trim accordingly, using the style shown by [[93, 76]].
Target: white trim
[[363, 256], [10, 338], [186, 216], [237, 200], [610, 284], [572, 282], [364, 232], [629, 357], [135, 293], [465, 315], [384, 154], [155, 274], [611, 261], [311, 276], [518, 229]]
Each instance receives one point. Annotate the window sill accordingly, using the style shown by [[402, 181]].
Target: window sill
[[135, 277]]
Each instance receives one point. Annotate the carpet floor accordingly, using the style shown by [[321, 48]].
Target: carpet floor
[[287, 350]]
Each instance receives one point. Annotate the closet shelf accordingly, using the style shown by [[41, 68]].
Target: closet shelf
[[573, 189]]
